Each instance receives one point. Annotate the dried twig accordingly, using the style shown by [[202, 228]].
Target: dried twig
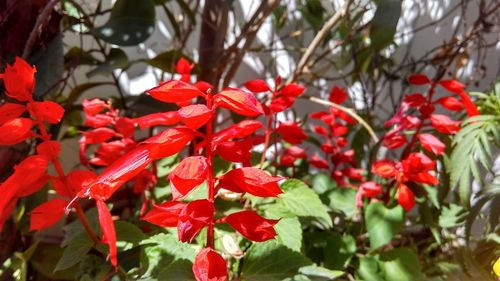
[[42, 19]]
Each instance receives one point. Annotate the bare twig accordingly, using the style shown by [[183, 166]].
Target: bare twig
[[42, 19]]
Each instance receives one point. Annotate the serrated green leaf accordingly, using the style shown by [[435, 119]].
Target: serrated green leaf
[[74, 253], [321, 183], [382, 223], [343, 200]]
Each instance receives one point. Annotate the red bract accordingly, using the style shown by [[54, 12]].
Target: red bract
[[108, 230], [367, 189], [252, 226], [405, 197], [175, 91], [292, 132], [431, 143], [193, 218], [337, 95], [238, 130], [47, 214], [235, 151], [444, 124], [9, 111], [195, 116], [188, 174], [19, 80], [73, 183], [251, 180], [319, 162], [450, 103], [15, 131], [184, 68], [257, 86], [125, 127], [47, 111], [169, 142], [165, 214], [385, 168], [157, 119], [419, 79], [94, 106], [292, 90], [458, 88], [49, 148], [239, 102], [281, 103], [209, 266]]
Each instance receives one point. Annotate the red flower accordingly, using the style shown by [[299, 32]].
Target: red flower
[[239, 102], [319, 162], [47, 214], [415, 100], [292, 90], [371, 189], [281, 103], [251, 180], [125, 126], [291, 154], [431, 143], [187, 175], [419, 79], [405, 197], [9, 111], [49, 148], [450, 103], [256, 86], [165, 214], [193, 218], [393, 140], [108, 230], [175, 91], [48, 111], [417, 168], [458, 88], [19, 80], [157, 119], [15, 131], [337, 95], [252, 226], [184, 68], [236, 151], [169, 142], [385, 168], [144, 181], [292, 132], [209, 266], [73, 183], [238, 130], [444, 124], [94, 106], [195, 116]]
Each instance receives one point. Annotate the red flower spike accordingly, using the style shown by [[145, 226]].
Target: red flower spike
[[175, 91], [9, 111], [450, 103], [251, 180], [292, 90], [444, 124], [169, 142], [337, 95], [415, 100], [281, 103], [165, 214], [47, 214], [49, 148], [193, 218], [292, 132], [48, 111], [431, 143], [236, 151], [239, 102], [108, 230], [406, 198], [458, 88], [209, 266], [157, 119], [187, 175], [385, 168], [19, 80], [195, 116], [15, 131], [419, 79], [252, 226], [94, 106], [257, 86]]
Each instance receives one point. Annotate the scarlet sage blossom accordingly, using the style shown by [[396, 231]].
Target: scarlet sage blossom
[[187, 175], [15, 131], [108, 230], [432, 144], [292, 132], [19, 80], [257, 86], [193, 218], [47, 111], [165, 214], [236, 151], [175, 91], [209, 266], [47, 214], [238, 130], [9, 111], [251, 180], [238, 101], [252, 226], [157, 119], [195, 116]]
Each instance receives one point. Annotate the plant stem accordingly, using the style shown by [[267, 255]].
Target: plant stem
[[269, 130], [210, 169]]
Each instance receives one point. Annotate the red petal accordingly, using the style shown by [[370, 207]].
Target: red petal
[[49, 148], [251, 180], [393, 141], [108, 230], [184, 66], [257, 86], [94, 106], [337, 95], [195, 215], [405, 197], [415, 100], [15, 131], [19, 80], [444, 124], [458, 88], [48, 111], [238, 152], [239, 130], [203, 86], [125, 126], [98, 135], [450, 103], [175, 91], [187, 175], [319, 162], [239, 101], [76, 180], [169, 142], [453, 86], [47, 214], [9, 111], [157, 119], [292, 90], [281, 103], [252, 226], [209, 266], [418, 79], [98, 120], [385, 168], [165, 214], [431, 143], [292, 132], [195, 116], [371, 189]]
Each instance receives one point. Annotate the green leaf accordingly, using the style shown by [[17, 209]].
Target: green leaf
[[384, 23], [322, 183], [318, 273], [304, 202], [271, 261], [343, 200], [74, 253], [131, 22], [128, 235], [114, 60], [400, 264], [289, 233], [313, 12], [368, 269], [338, 251], [382, 223], [452, 216]]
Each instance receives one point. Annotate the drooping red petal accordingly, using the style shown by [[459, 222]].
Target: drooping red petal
[[195, 116], [406, 198], [203, 86], [444, 124], [393, 141], [187, 175], [458, 88], [48, 111], [419, 79], [252, 226], [109, 152], [49, 148], [431, 143], [108, 230], [98, 135], [19, 80], [9, 111], [47, 214], [169, 142], [193, 218], [78, 179], [257, 86], [238, 101], [165, 214], [415, 100], [385, 168], [157, 119], [15, 131], [450, 103], [209, 266], [451, 85], [94, 106], [251, 180], [292, 90], [175, 91], [292, 132], [337, 95]]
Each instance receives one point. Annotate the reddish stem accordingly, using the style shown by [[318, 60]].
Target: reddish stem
[[210, 170]]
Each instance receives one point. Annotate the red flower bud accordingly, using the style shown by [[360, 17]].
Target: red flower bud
[[251, 180], [252, 226], [209, 266], [239, 102], [256, 86]]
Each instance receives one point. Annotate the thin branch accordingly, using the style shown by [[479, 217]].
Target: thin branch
[[42, 19]]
